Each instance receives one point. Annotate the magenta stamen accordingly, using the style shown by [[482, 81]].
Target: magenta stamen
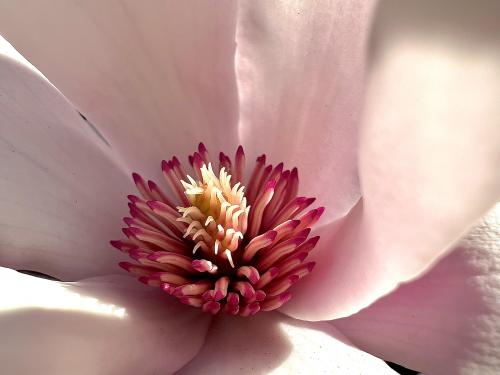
[[136, 213], [276, 302], [211, 307], [159, 239], [289, 264], [197, 164], [233, 298], [276, 173], [257, 173], [281, 285], [287, 212], [308, 245], [167, 288], [158, 194], [209, 295], [292, 187], [275, 204], [173, 181], [231, 309], [260, 295], [137, 270], [245, 289], [194, 289], [142, 186], [144, 245], [250, 309], [177, 167], [171, 278], [139, 255], [239, 164], [263, 180], [202, 265], [178, 260], [267, 277], [150, 282], [303, 270], [251, 273], [285, 230], [258, 243], [136, 223], [219, 246], [124, 246], [259, 206], [225, 162], [192, 301], [220, 290], [203, 153], [272, 255]]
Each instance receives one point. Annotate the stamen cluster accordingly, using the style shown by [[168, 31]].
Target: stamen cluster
[[216, 246]]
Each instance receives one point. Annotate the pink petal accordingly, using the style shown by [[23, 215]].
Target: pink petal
[[155, 79], [271, 343], [446, 322], [300, 68], [104, 325], [60, 188], [429, 153]]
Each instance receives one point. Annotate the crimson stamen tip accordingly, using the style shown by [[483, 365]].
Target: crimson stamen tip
[[201, 147]]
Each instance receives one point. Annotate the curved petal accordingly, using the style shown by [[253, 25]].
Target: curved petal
[[448, 321], [300, 67], [60, 188], [155, 79], [429, 149], [104, 325], [271, 343]]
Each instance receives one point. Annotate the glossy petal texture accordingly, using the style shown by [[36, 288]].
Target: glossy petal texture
[[104, 325], [300, 68], [60, 189], [271, 343], [429, 152], [156, 78], [447, 322]]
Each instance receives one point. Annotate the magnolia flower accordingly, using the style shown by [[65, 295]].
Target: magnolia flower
[[400, 145]]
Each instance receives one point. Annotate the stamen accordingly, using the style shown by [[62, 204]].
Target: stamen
[[214, 244]]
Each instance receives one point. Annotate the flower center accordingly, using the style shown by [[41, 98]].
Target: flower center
[[218, 214], [215, 245]]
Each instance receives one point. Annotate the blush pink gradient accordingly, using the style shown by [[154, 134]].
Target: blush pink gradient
[[388, 109]]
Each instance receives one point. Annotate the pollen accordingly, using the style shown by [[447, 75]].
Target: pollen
[[217, 217], [218, 239]]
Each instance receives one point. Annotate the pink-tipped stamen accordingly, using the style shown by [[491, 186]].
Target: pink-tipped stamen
[[275, 302], [239, 165], [258, 243], [214, 244], [267, 277], [251, 273]]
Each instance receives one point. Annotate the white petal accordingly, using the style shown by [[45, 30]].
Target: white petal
[[61, 191], [155, 78], [448, 321], [270, 343], [300, 67], [429, 155], [104, 325]]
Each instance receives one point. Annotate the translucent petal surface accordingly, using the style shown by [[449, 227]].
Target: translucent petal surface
[[446, 322], [104, 325], [270, 343], [60, 186], [300, 68], [155, 79], [429, 152]]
